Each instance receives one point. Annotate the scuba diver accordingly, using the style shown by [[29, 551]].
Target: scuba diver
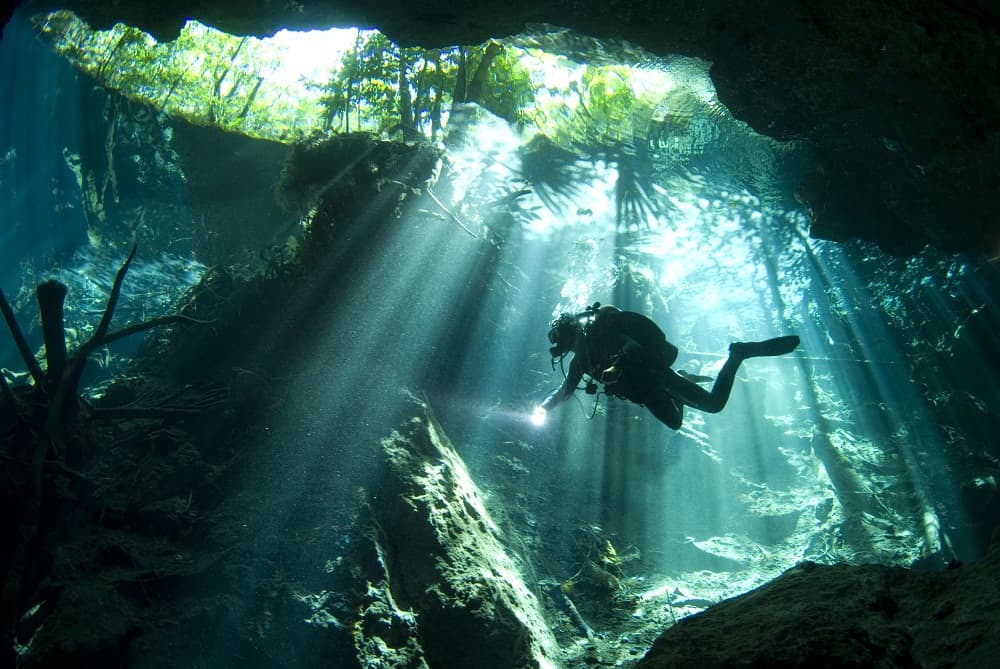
[[631, 356]]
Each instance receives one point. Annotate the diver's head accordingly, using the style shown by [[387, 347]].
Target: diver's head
[[562, 335]]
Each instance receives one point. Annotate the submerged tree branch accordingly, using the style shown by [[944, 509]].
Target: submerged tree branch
[[51, 296], [148, 325], [59, 396], [6, 389], [452, 214], [22, 344], [116, 289]]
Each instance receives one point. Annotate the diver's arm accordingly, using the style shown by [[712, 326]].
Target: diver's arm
[[629, 346], [626, 351], [568, 386]]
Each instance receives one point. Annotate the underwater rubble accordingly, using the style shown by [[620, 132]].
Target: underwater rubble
[[422, 574]]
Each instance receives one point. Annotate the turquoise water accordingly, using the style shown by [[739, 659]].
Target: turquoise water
[[873, 442]]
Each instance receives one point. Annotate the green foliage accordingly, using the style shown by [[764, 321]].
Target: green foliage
[[212, 78], [384, 88], [338, 95], [509, 91], [204, 76], [242, 84], [365, 93], [378, 69]]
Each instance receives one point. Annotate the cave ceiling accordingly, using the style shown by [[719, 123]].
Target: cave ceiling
[[899, 102]]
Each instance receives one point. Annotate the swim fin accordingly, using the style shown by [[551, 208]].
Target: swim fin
[[768, 347], [694, 378]]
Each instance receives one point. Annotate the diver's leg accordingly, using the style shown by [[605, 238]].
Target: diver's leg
[[644, 387], [695, 396], [768, 347], [666, 409], [713, 402]]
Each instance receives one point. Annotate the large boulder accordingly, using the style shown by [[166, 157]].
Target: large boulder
[[450, 592], [846, 616]]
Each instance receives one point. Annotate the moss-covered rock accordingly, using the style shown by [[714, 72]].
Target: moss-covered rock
[[447, 561]]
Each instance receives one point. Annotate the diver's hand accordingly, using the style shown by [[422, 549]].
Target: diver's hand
[[611, 375]]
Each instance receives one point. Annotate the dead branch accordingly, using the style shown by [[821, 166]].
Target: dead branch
[[150, 324], [22, 344], [58, 387], [7, 392], [65, 398], [51, 296], [451, 214]]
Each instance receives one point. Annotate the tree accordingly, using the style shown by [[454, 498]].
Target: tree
[[51, 406], [507, 89]]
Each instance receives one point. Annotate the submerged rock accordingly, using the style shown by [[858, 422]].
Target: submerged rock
[[449, 586], [846, 616]]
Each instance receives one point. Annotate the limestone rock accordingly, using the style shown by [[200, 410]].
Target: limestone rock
[[450, 581], [844, 616]]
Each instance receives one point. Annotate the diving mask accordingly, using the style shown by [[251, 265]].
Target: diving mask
[[562, 335]]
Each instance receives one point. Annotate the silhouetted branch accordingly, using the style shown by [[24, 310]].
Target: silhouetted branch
[[116, 289], [19, 340], [60, 382], [148, 325], [66, 391], [6, 389], [51, 296]]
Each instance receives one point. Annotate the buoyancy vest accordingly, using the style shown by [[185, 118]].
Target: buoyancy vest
[[655, 348]]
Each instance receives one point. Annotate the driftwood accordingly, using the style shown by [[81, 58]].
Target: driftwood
[[56, 391]]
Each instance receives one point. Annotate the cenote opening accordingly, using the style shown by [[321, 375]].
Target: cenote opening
[[304, 438]]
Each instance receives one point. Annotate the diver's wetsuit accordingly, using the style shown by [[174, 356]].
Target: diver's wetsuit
[[635, 345]]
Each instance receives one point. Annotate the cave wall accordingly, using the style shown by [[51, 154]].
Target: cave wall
[[901, 103]]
